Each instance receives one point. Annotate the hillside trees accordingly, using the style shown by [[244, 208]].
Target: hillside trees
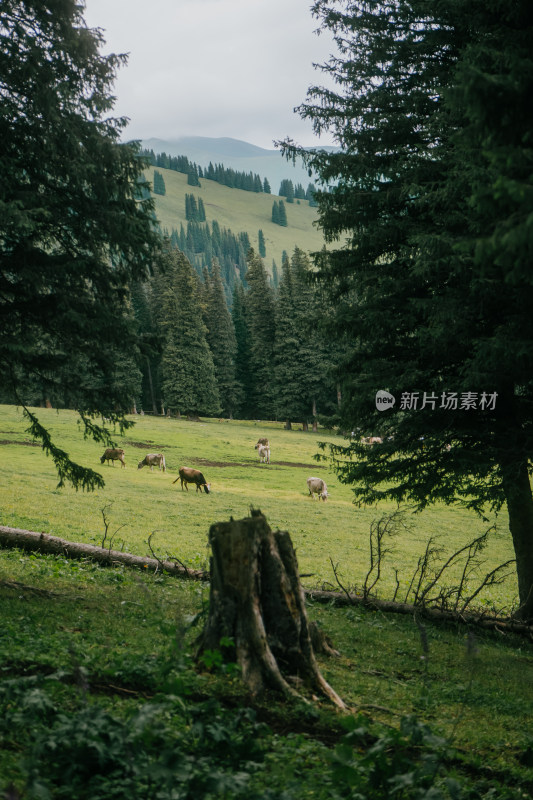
[[259, 304], [302, 368], [188, 382], [434, 287], [222, 343], [159, 183], [76, 223]]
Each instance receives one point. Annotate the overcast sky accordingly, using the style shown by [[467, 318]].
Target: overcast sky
[[213, 67]]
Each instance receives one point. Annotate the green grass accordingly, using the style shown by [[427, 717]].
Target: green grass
[[117, 639], [240, 211], [145, 502], [77, 638]]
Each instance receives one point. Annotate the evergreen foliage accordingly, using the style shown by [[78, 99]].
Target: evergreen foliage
[[302, 368], [260, 317], [243, 372], [76, 225], [193, 178], [222, 343], [247, 181], [286, 190], [279, 214], [188, 375], [266, 187], [261, 243], [433, 289], [159, 183]]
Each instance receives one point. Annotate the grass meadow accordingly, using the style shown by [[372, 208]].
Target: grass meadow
[[92, 655], [240, 211], [138, 503]]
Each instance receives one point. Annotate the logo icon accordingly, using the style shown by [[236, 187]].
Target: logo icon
[[384, 400]]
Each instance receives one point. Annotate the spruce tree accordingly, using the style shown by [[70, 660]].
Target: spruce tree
[[266, 187], [282, 214], [159, 183], [76, 225], [261, 243], [188, 375], [433, 289], [260, 315], [243, 372], [275, 212], [223, 344]]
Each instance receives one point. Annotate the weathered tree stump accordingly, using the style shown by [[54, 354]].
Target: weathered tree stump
[[257, 600]]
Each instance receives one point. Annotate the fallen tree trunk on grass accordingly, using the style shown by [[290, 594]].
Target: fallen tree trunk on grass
[[44, 543], [502, 624], [257, 615]]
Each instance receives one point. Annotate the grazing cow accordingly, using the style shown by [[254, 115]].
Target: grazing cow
[[113, 454], [372, 440], [153, 460], [317, 486], [264, 454], [189, 475]]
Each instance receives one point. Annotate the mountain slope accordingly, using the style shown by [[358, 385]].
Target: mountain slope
[[239, 155], [239, 211]]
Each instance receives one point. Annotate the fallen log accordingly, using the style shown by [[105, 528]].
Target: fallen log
[[502, 624], [45, 543]]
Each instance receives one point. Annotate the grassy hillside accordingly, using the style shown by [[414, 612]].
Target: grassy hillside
[[240, 211], [98, 694], [144, 502]]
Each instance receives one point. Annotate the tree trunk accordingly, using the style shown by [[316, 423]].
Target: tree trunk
[[305, 426], [520, 507], [44, 543], [151, 385], [288, 426], [257, 600], [315, 421]]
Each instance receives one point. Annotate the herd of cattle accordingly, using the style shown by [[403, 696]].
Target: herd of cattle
[[316, 486]]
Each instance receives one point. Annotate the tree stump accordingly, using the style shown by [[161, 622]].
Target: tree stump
[[257, 600]]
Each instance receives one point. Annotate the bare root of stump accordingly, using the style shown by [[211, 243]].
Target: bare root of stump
[[257, 600]]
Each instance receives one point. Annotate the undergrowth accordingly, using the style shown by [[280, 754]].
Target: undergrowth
[[100, 697]]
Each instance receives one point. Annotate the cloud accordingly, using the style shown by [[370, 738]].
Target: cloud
[[213, 67]]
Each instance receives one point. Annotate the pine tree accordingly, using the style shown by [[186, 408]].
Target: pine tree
[[188, 375], [275, 212], [223, 344], [260, 315], [282, 214], [243, 371], [159, 183], [192, 176], [433, 290], [266, 187], [201, 210], [76, 224], [261, 245], [275, 274]]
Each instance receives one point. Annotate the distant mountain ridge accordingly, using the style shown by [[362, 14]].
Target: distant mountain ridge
[[234, 153]]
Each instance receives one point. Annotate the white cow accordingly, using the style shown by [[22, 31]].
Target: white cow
[[264, 454], [153, 460], [317, 486]]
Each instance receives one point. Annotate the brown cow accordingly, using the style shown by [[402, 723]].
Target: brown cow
[[260, 442], [189, 475], [113, 454]]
